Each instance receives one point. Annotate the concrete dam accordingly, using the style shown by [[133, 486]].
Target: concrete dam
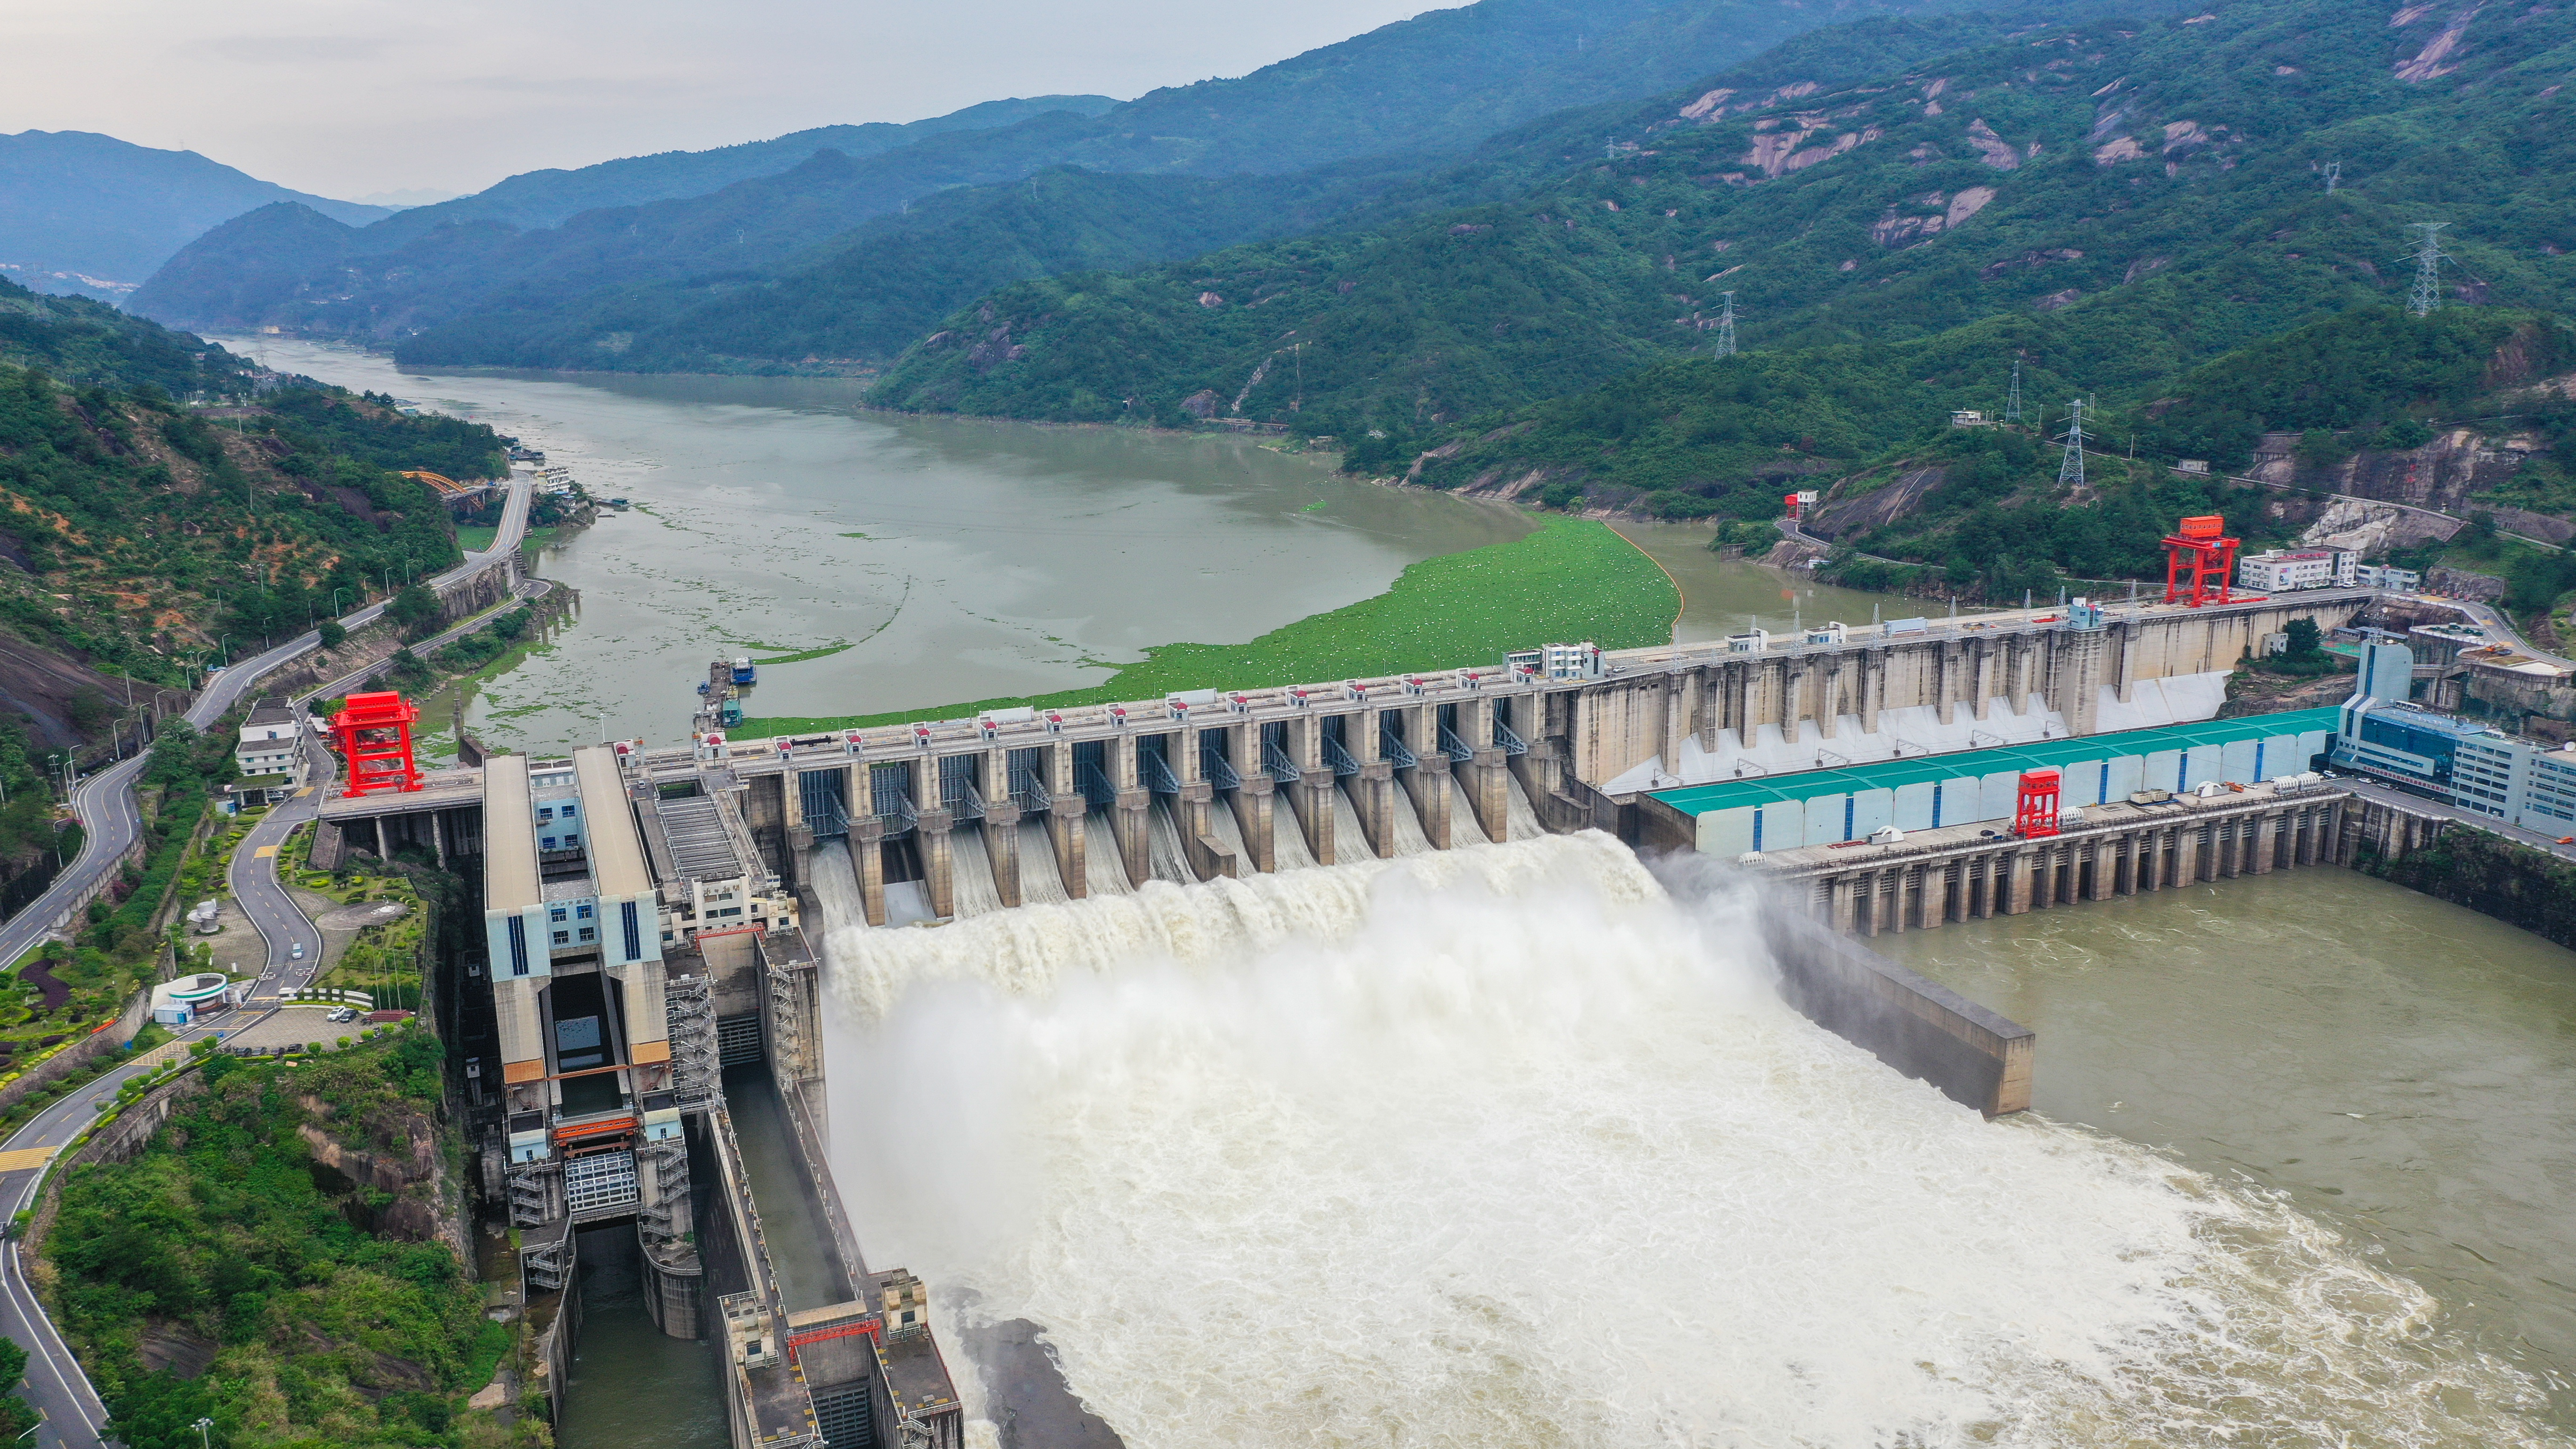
[[1258, 1067]]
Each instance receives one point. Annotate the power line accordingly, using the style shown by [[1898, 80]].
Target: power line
[[2429, 256], [2071, 470], [1726, 327]]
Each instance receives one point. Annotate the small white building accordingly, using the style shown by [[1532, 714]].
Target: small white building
[[2279, 571], [270, 752], [177, 1003], [2388, 576]]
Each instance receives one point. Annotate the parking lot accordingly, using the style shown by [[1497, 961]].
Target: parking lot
[[285, 1027]]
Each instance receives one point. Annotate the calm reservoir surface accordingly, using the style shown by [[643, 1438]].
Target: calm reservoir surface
[[939, 560]]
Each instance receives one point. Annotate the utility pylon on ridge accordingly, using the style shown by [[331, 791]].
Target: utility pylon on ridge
[[2072, 469], [2012, 400], [2334, 176], [1726, 327], [2429, 256]]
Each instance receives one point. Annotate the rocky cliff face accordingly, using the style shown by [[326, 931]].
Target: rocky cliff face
[[402, 1160], [2440, 475]]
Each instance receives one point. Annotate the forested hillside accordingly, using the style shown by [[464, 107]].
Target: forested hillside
[[1431, 85], [142, 535], [84, 341], [2160, 180], [870, 293], [249, 1267]]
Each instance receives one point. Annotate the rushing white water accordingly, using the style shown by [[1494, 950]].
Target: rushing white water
[[1504, 1147]]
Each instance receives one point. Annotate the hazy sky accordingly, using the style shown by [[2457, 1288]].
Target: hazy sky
[[345, 97]]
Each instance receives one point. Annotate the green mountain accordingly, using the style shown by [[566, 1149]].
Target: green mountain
[[141, 534], [546, 198], [89, 342], [2159, 182], [1433, 84], [867, 295], [90, 215]]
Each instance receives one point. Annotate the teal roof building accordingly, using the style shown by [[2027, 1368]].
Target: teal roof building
[[1927, 792]]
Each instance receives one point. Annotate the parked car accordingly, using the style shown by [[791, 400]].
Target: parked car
[[341, 1013]]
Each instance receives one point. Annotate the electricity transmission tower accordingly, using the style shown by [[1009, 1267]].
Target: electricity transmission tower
[[2429, 256], [2334, 176], [2072, 469], [2012, 400], [1726, 327]]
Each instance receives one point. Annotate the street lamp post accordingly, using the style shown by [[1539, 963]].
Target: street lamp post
[[204, 1428]]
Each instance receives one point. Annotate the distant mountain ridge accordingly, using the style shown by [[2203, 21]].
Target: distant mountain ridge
[[86, 214], [2152, 192], [545, 198], [1436, 83]]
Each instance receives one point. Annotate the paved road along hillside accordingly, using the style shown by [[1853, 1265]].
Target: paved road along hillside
[[108, 814]]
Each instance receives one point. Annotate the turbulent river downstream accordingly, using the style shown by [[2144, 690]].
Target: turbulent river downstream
[[1514, 1147], [1508, 1147]]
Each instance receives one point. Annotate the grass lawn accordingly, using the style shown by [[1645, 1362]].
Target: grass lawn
[[1572, 579], [475, 537]]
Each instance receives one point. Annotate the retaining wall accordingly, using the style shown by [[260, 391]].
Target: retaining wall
[[1925, 1030], [78, 1054]]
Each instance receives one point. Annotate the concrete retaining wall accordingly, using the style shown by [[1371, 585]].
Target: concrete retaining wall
[[1925, 1030], [79, 1054]]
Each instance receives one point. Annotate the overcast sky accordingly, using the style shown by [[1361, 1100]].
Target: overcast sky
[[348, 97]]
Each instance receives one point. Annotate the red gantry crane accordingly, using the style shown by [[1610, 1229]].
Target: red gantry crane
[[2201, 549], [374, 734]]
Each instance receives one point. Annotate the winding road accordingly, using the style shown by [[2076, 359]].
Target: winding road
[[111, 819]]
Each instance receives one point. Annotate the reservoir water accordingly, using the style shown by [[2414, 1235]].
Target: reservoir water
[[939, 560]]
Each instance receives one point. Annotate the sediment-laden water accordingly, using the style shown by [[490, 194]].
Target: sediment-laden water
[[2397, 1067], [938, 560], [1505, 1147]]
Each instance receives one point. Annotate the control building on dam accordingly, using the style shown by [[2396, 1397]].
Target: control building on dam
[[646, 909]]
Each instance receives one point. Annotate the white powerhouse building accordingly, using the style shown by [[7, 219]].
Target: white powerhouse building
[[2277, 571]]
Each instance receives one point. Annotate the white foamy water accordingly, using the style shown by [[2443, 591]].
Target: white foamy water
[[1503, 1147]]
